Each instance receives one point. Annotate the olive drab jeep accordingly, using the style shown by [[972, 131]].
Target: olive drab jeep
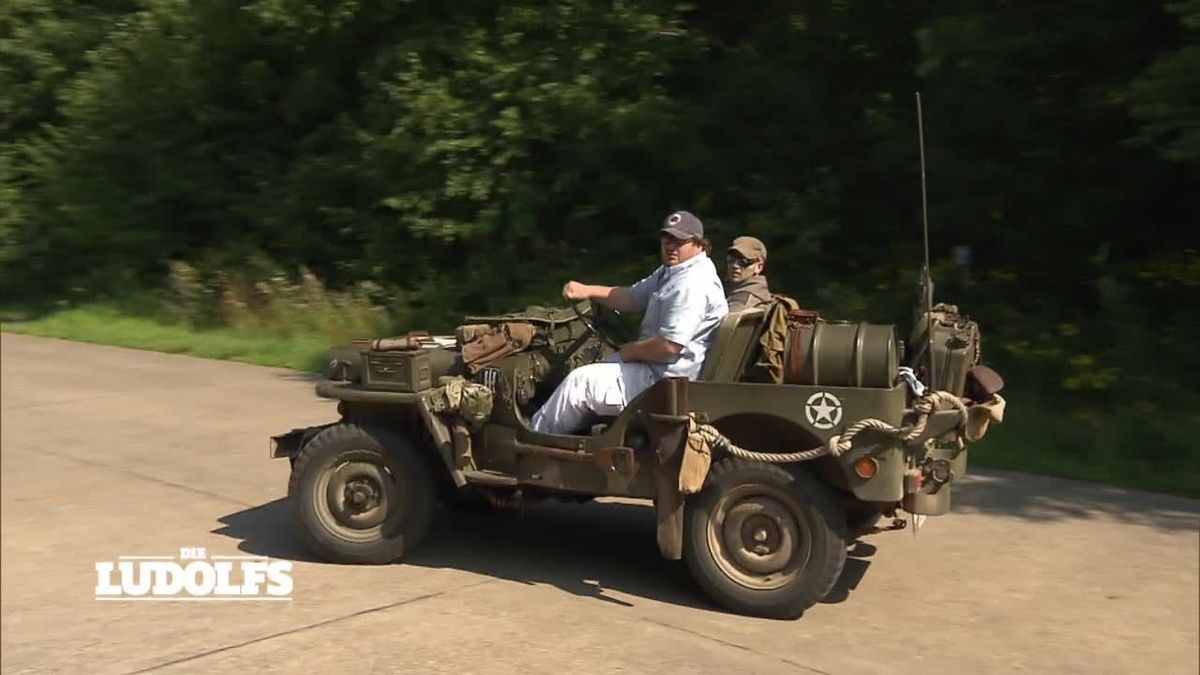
[[799, 435]]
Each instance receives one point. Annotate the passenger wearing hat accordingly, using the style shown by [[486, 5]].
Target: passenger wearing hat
[[744, 268], [683, 301]]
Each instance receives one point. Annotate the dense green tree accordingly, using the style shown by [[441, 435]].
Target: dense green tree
[[465, 156], [1166, 96]]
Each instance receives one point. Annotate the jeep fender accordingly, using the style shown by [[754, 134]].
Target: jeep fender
[[289, 444], [438, 430]]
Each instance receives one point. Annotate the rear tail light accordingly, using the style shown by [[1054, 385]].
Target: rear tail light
[[866, 467]]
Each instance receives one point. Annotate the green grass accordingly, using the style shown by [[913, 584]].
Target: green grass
[[105, 324], [1136, 437], [1035, 437], [1119, 451]]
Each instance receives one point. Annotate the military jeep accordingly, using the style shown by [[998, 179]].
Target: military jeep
[[799, 435]]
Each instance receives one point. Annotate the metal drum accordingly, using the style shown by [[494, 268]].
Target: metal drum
[[842, 355]]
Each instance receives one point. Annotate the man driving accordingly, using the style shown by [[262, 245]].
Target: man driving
[[744, 268], [683, 301]]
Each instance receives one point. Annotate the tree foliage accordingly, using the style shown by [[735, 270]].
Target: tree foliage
[[464, 156]]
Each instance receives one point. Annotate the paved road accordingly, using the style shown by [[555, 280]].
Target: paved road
[[109, 452]]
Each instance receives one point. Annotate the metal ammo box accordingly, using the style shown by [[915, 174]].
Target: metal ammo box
[[406, 370]]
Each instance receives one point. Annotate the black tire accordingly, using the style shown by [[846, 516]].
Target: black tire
[[361, 494], [799, 556]]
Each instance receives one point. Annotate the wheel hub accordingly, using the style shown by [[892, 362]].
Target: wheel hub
[[361, 495], [762, 536], [356, 498], [757, 536]]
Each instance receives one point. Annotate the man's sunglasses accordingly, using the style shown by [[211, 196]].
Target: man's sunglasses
[[738, 261]]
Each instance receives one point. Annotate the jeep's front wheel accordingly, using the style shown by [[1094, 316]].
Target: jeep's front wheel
[[361, 495], [763, 541]]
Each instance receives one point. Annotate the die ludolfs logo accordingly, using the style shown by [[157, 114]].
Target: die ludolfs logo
[[194, 575]]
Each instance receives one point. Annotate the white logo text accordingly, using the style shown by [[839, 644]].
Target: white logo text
[[194, 576]]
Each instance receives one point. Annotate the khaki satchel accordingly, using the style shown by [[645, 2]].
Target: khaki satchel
[[784, 327], [483, 344]]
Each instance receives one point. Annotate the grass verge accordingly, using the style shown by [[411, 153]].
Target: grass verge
[[103, 324], [1034, 438]]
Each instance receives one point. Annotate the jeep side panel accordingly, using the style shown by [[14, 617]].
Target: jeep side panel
[[789, 418]]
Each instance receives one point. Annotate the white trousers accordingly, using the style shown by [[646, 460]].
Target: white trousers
[[604, 388]]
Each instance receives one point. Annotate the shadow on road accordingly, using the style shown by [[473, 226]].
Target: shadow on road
[[586, 550], [591, 549], [266, 530], [852, 573], [581, 549], [1043, 498]]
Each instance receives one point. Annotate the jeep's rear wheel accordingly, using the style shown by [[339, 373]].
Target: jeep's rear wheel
[[361, 494], [763, 541]]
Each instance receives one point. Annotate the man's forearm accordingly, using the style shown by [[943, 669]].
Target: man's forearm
[[619, 298], [654, 348]]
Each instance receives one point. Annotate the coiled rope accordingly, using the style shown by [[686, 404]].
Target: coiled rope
[[840, 443]]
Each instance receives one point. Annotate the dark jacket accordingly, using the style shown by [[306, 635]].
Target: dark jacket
[[750, 293]]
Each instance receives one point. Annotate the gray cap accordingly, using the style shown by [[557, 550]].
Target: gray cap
[[683, 225]]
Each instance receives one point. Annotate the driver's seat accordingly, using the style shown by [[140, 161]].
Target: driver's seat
[[733, 343]]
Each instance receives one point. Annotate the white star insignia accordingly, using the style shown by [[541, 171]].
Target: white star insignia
[[823, 410]]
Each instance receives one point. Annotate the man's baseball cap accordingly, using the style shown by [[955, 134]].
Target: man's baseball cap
[[683, 225], [750, 248]]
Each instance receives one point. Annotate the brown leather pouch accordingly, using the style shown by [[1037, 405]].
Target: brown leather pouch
[[801, 323]]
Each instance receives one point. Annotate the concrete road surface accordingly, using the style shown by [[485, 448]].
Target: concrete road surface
[[110, 452]]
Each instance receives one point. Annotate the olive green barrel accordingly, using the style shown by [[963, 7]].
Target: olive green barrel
[[842, 355]]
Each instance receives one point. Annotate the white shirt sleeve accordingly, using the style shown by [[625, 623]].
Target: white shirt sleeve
[[683, 310]]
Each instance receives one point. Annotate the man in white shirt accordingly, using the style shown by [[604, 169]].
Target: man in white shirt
[[683, 301]]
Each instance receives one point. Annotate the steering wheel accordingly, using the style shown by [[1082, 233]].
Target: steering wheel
[[583, 309]]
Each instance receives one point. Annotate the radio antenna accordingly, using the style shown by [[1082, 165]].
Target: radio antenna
[[927, 282]]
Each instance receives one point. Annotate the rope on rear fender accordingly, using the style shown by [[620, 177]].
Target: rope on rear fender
[[840, 443]]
